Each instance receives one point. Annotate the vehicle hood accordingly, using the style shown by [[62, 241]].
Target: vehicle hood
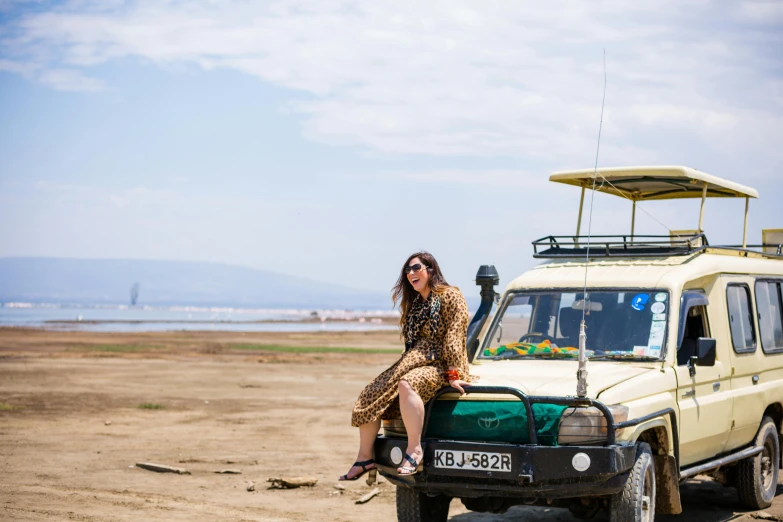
[[556, 377]]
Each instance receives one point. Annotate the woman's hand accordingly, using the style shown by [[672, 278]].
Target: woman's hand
[[456, 383], [459, 384]]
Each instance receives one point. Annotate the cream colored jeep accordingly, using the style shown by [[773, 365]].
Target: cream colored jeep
[[642, 360]]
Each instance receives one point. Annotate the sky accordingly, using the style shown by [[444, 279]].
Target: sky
[[331, 139]]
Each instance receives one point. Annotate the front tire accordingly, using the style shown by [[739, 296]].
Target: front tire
[[636, 502], [413, 506], [757, 476]]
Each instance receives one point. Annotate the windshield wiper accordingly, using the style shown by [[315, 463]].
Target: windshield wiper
[[539, 356], [623, 357]]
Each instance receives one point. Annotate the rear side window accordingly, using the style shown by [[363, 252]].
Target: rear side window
[[770, 310], [743, 336]]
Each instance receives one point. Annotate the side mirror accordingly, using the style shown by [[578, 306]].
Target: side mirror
[[705, 347]]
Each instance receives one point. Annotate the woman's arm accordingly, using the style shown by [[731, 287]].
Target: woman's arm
[[455, 317]]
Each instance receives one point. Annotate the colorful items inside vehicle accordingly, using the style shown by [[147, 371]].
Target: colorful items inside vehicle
[[543, 348]]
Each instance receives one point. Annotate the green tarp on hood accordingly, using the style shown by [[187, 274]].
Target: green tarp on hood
[[493, 421]]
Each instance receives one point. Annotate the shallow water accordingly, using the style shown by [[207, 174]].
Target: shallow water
[[149, 319]]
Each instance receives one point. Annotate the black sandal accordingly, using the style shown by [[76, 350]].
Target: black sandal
[[409, 471], [365, 469]]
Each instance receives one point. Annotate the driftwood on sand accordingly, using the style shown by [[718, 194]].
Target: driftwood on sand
[[161, 468], [368, 496], [291, 483]]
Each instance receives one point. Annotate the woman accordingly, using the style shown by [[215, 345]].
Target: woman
[[434, 321]]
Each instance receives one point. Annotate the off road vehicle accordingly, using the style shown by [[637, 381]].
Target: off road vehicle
[[612, 372]]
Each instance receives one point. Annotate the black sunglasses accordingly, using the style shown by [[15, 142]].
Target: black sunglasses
[[414, 268]]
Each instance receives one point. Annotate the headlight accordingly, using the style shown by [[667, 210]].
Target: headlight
[[587, 425]]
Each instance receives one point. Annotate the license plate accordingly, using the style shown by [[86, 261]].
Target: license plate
[[472, 460]]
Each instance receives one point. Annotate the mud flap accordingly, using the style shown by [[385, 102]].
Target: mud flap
[[667, 491]]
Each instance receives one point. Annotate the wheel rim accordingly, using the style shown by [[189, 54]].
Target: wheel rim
[[648, 495], [766, 469]]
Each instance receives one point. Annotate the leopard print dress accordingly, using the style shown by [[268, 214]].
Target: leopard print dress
[[435, 332]]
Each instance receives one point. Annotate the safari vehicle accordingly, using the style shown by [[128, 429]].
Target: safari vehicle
[[612, 372]]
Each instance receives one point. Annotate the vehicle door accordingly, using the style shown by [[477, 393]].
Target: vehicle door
[[703, 392], [754, 350]]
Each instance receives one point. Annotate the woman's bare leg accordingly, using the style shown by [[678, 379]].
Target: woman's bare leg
[[367, 433], [412, 409]]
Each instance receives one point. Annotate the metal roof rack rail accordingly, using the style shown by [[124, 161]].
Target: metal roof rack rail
[[618, 246], [766, 249]]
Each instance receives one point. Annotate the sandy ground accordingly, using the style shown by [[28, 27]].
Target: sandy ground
[[71, 430]]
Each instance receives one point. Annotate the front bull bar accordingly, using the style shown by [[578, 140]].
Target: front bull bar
[[528, 401]]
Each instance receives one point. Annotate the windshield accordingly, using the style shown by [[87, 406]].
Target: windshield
[[620, 324]]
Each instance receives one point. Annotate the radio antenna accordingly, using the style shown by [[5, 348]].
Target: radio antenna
[[581, 372]]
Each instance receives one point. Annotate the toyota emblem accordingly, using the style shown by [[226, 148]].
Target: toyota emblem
[[488, 422]]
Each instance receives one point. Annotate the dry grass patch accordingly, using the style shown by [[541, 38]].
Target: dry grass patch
[[151, 406]]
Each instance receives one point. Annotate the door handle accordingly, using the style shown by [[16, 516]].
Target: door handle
[[755, 379], [689, 393], [716, 387]]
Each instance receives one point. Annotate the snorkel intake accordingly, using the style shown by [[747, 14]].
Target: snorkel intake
[[486, 277]]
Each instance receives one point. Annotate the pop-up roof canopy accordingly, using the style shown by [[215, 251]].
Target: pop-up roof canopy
[[649, 183]]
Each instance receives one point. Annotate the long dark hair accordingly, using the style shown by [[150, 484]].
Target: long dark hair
[[403, 290]]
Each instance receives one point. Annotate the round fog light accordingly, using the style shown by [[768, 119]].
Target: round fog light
[[580, 462], [396, 455]]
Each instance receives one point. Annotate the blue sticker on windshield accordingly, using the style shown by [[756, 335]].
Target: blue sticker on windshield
[[638, 301]]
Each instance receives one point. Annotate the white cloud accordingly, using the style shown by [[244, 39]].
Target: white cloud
[[70, 80], [454, 79], [25, 69], [762, 11]]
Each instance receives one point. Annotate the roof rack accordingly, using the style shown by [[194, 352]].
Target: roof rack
[[640, 246], [767, 250], [619, 246]]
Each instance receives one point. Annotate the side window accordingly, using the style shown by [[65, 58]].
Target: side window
[[743, 336], [768, 305], [696, 325]]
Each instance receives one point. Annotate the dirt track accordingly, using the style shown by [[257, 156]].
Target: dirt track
[[71, 430]]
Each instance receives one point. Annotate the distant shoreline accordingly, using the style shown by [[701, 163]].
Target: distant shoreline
[[354, 319], [121, 318], [336, 311]]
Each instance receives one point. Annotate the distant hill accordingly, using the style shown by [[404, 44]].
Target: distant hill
[[166, 283]]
